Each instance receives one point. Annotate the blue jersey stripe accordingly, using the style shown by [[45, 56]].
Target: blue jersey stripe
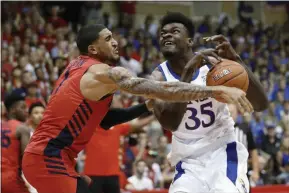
[[161, 70], [180, 171], [232, 161], [83, 111], [53, 161], [55, 167], [55, 145], [73, 127]]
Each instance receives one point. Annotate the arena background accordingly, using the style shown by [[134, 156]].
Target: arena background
[[38, 40]]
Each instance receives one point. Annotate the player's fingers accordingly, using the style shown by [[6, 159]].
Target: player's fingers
[[223, 45], [250, 107], [240, 107], [215, 38], [217, 57], [245, 104], [218, 38], [206, 60], [210, 52]]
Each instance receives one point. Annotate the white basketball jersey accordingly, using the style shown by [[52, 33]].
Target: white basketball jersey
[[205, 122]]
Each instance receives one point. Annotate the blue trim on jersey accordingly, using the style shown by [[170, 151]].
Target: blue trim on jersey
[[209, 66], [161, 69], [232, 161], [180, 171], [177, 76]]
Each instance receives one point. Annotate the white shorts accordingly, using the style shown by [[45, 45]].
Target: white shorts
[[223, 170]]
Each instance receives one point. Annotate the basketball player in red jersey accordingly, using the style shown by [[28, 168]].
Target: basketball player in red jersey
[[14, 138], [81, 100]]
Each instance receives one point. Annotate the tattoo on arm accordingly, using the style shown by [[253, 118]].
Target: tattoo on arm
[[164, 111], [168, 91]]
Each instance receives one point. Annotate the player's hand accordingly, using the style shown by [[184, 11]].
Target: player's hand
[[234, 96], [201, 58], [150, 104], [223, 47]]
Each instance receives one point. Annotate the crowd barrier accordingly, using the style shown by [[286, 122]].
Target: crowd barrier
[[259, 189]]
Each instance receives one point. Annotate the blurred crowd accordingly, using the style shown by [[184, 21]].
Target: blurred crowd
[[38, 41]]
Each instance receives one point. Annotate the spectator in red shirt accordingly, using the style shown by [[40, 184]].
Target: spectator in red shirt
[[48, 39], [32, 95], [56, 21], [43, 84], [7, 34]]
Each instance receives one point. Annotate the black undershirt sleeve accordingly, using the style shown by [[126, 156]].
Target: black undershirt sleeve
[[117, 116], [251, 141]]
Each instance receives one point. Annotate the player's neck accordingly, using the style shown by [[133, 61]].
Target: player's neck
[[100, 59], [178, 63], [12, 117], [139, 176]]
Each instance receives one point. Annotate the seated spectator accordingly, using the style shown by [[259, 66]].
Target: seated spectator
[[129, 63], [138, 181], [283, 160], [206, 26], [56, 21], [168, 174], [36, 111], [163, 149], [32, 95], [271, 145], [285, 116]]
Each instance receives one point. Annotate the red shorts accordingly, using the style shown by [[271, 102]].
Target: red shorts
[[13, 183], [49, 175]]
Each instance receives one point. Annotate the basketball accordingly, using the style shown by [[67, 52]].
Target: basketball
[[228, 73]]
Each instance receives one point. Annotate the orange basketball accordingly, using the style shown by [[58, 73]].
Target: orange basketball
[[228, 73]]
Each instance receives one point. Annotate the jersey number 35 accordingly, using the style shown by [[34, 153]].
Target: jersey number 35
[[206, 110]]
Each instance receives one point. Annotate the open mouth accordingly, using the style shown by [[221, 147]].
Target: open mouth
[[168, 43]]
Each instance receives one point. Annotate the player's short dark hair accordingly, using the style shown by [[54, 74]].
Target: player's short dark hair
[[176, 17], [13, 98], [87, 35], [33, 105]]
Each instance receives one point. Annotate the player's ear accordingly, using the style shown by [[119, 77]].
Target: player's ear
[[190, 42], [92, 49]]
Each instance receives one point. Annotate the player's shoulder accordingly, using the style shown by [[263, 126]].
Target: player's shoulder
[[157, 73], [22, 128]]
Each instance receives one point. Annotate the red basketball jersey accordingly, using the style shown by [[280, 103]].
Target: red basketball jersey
[[69, 119], [10, 148]]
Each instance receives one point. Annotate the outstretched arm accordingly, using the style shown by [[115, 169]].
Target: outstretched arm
[[119, 78], [117, 116], [167, 91]]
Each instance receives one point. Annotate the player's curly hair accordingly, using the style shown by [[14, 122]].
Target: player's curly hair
[[12, 99], [87, 35], [176, 17]]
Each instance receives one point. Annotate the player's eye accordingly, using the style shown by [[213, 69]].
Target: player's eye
[[176, 31], [162, 33], [107, 38]]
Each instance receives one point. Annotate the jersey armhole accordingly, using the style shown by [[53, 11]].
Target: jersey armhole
[[163, 73]]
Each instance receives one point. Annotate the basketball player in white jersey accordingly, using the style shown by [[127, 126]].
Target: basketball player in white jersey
[[205, 152]]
